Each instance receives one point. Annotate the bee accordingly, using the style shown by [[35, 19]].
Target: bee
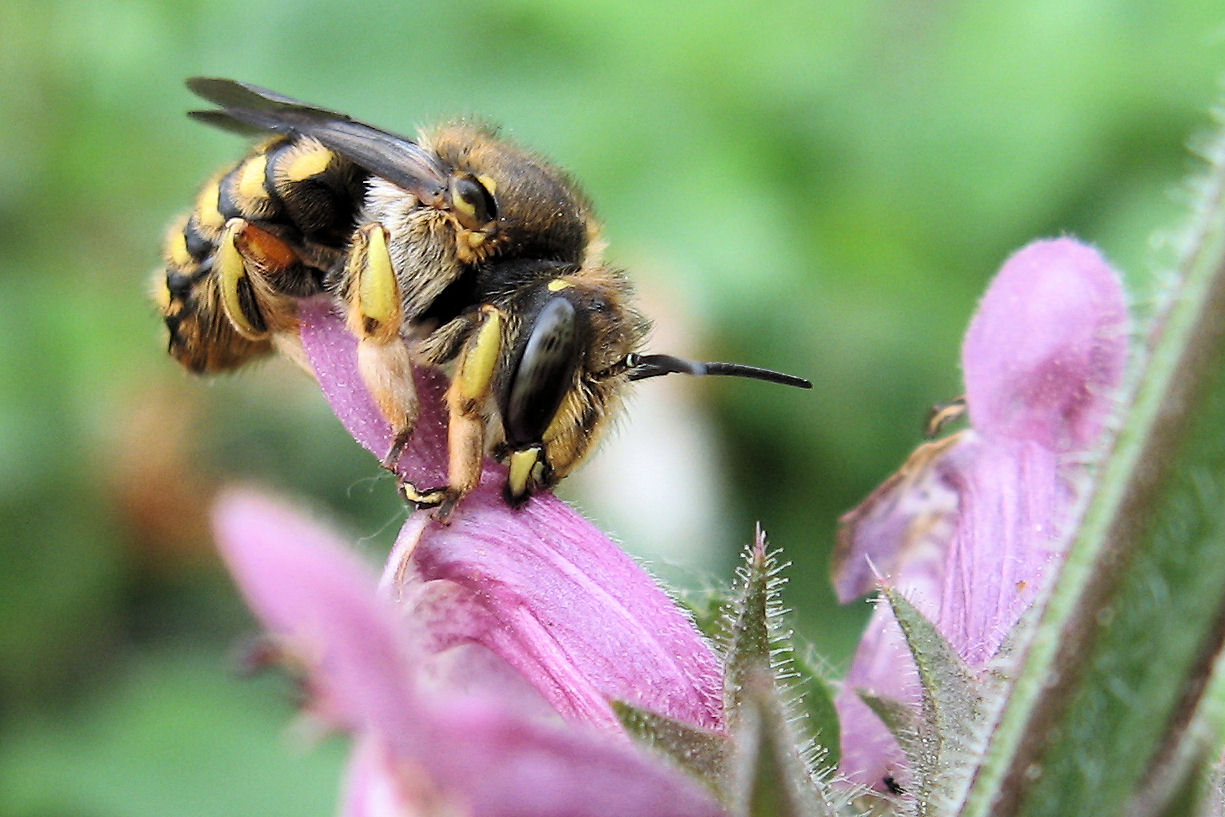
[[456, 249]]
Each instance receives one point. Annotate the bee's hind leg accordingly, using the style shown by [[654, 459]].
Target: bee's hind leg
[[247, 262], [375, 315]]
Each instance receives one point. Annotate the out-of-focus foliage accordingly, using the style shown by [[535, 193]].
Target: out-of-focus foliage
[[822, 187]]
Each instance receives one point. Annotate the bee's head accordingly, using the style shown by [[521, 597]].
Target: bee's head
[[558, 377], [509, 202]]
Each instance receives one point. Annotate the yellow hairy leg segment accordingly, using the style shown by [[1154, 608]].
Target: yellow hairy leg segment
[[375, 316]]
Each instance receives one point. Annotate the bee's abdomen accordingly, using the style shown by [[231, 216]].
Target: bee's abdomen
[[298, 191], [202, 338], [296, 188]]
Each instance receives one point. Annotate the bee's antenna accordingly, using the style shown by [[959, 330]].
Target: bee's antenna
[[643, 366]]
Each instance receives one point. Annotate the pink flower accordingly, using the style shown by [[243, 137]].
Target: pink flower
[[455, 675], [421, 749], [971, 525]]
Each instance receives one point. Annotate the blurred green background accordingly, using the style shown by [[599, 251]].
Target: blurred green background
[[823, 187]]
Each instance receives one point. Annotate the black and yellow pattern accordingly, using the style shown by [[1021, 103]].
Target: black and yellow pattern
[[288, 210]]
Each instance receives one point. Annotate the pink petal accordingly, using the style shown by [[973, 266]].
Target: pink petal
[[508, 767], [974, 573], [373, 789], [469, 753], [1014, 514], [319, 600], [545, 590], [332, 352], [972, 525], [1047, 348], [908, 518], [480, 761]]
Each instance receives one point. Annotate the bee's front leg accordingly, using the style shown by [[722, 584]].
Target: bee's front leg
[[467, 398], [375, 316]]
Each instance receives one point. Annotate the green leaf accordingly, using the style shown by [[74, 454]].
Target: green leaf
[[1213, 804], [1189, 794]]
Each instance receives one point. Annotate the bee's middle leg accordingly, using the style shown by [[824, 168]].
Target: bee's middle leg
[[375, 316]]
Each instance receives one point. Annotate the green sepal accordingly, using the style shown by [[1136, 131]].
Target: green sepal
[[703, 754], [939, 737], [779, 770], [749, 638], [899, 718], [952, 696], [775, 780], [817, 705]]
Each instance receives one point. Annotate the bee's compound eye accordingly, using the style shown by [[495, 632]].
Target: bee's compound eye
[[543, 374], [472, 202]]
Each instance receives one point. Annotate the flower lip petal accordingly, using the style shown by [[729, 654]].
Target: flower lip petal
[[970, 533], [471, 751], [913, 506], [542, 587], [560, 602], [478, 759], [512, 768], [1047, 348]]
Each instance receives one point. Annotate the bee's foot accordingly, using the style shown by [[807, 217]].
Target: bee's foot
[[442, 499], [442, 514], [515, 501]]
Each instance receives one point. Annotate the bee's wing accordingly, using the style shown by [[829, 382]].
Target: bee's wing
[[250, 109]]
